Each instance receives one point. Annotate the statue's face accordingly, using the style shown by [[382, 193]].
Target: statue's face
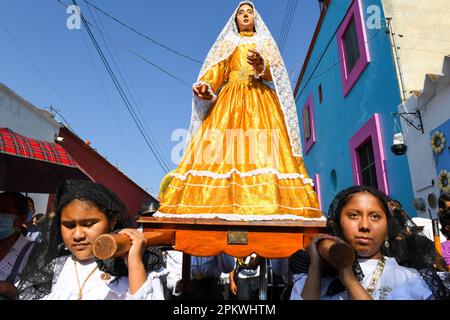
[[245, 18]]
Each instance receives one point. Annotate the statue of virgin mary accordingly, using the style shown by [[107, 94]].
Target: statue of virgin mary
[[243, 159]]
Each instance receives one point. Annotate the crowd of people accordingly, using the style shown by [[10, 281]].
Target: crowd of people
[[395, 258], [50, 256]]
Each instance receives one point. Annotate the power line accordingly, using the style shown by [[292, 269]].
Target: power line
[[287, 20], [149, 131], [154, 65], [312, 76], [141, 34], [322, 54], [52, 109], [333, 3], [140, 106], [50, 85], [294, 70], [134, 53], [121, 92], [111, 108], [289, 23], [284, 21]]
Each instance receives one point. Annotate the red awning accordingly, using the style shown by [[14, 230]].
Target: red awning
[[30, 165]]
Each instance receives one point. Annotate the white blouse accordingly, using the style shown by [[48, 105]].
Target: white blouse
[[395, 283], [7, 263], [65, 285]]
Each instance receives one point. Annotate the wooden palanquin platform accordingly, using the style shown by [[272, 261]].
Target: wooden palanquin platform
[[210, 237]]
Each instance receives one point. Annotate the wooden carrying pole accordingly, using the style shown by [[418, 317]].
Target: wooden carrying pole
[[115, 245], [338, 254]]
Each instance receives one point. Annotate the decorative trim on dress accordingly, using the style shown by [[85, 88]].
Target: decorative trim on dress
[[240, 217], [227, 175], [239, 185]]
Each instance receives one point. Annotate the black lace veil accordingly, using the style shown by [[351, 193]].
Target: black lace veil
[[37, 276], [410, 249]]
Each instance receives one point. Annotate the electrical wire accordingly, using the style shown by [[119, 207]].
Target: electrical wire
[[112, 109], [341, 60], [146, 128], [41, 74], [135, 53], [141, 34], [140, 106], [121, 92], [287, 22]]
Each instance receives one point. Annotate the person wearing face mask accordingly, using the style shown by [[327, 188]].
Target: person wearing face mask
[[24, 228], [14, 247]]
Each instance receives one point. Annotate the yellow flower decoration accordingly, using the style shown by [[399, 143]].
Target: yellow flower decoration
[[438, 142], [444, 181], [165, 182]]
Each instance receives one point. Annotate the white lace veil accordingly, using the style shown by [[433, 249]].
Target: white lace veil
[[224, 46]]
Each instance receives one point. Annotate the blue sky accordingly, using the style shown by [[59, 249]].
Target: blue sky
[[63, 69]]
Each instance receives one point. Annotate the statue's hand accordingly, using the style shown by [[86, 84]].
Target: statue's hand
[[254, 58], [201, 91]]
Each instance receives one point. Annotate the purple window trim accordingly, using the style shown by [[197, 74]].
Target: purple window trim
[[312, 139], [371, 129], [355, 13], [316, 181]]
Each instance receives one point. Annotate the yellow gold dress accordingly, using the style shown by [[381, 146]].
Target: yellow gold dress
[[240, 162]]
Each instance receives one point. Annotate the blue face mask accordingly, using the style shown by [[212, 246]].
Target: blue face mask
[[6, 225], [29, 216]]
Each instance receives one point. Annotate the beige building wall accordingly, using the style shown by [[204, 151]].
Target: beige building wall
[[25, 119], [425, 26]]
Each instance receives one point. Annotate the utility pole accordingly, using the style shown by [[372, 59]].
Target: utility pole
[[392, 35]]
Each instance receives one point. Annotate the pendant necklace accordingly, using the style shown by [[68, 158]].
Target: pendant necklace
[[81, 287]]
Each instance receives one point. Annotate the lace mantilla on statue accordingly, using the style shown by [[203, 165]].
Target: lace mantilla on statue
[[224, 46]]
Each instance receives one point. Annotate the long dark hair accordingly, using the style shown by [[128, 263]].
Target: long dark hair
[[411, 250], [342, 198], [95, 194], [37, 276]]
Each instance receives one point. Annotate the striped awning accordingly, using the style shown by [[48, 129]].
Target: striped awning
[[30, 165]]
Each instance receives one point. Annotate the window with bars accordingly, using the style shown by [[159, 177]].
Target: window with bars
[[309, 132], [306, 124], [367, 164], [351, 46]]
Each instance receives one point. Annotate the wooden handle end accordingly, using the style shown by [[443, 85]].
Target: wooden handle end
[[341, 255], [105, 246]]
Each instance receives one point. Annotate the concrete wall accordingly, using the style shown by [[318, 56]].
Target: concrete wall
[[425, 26], [22, 117], [434, 105]]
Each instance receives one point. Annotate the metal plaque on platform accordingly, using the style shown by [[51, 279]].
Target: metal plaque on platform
[[237, 237]]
